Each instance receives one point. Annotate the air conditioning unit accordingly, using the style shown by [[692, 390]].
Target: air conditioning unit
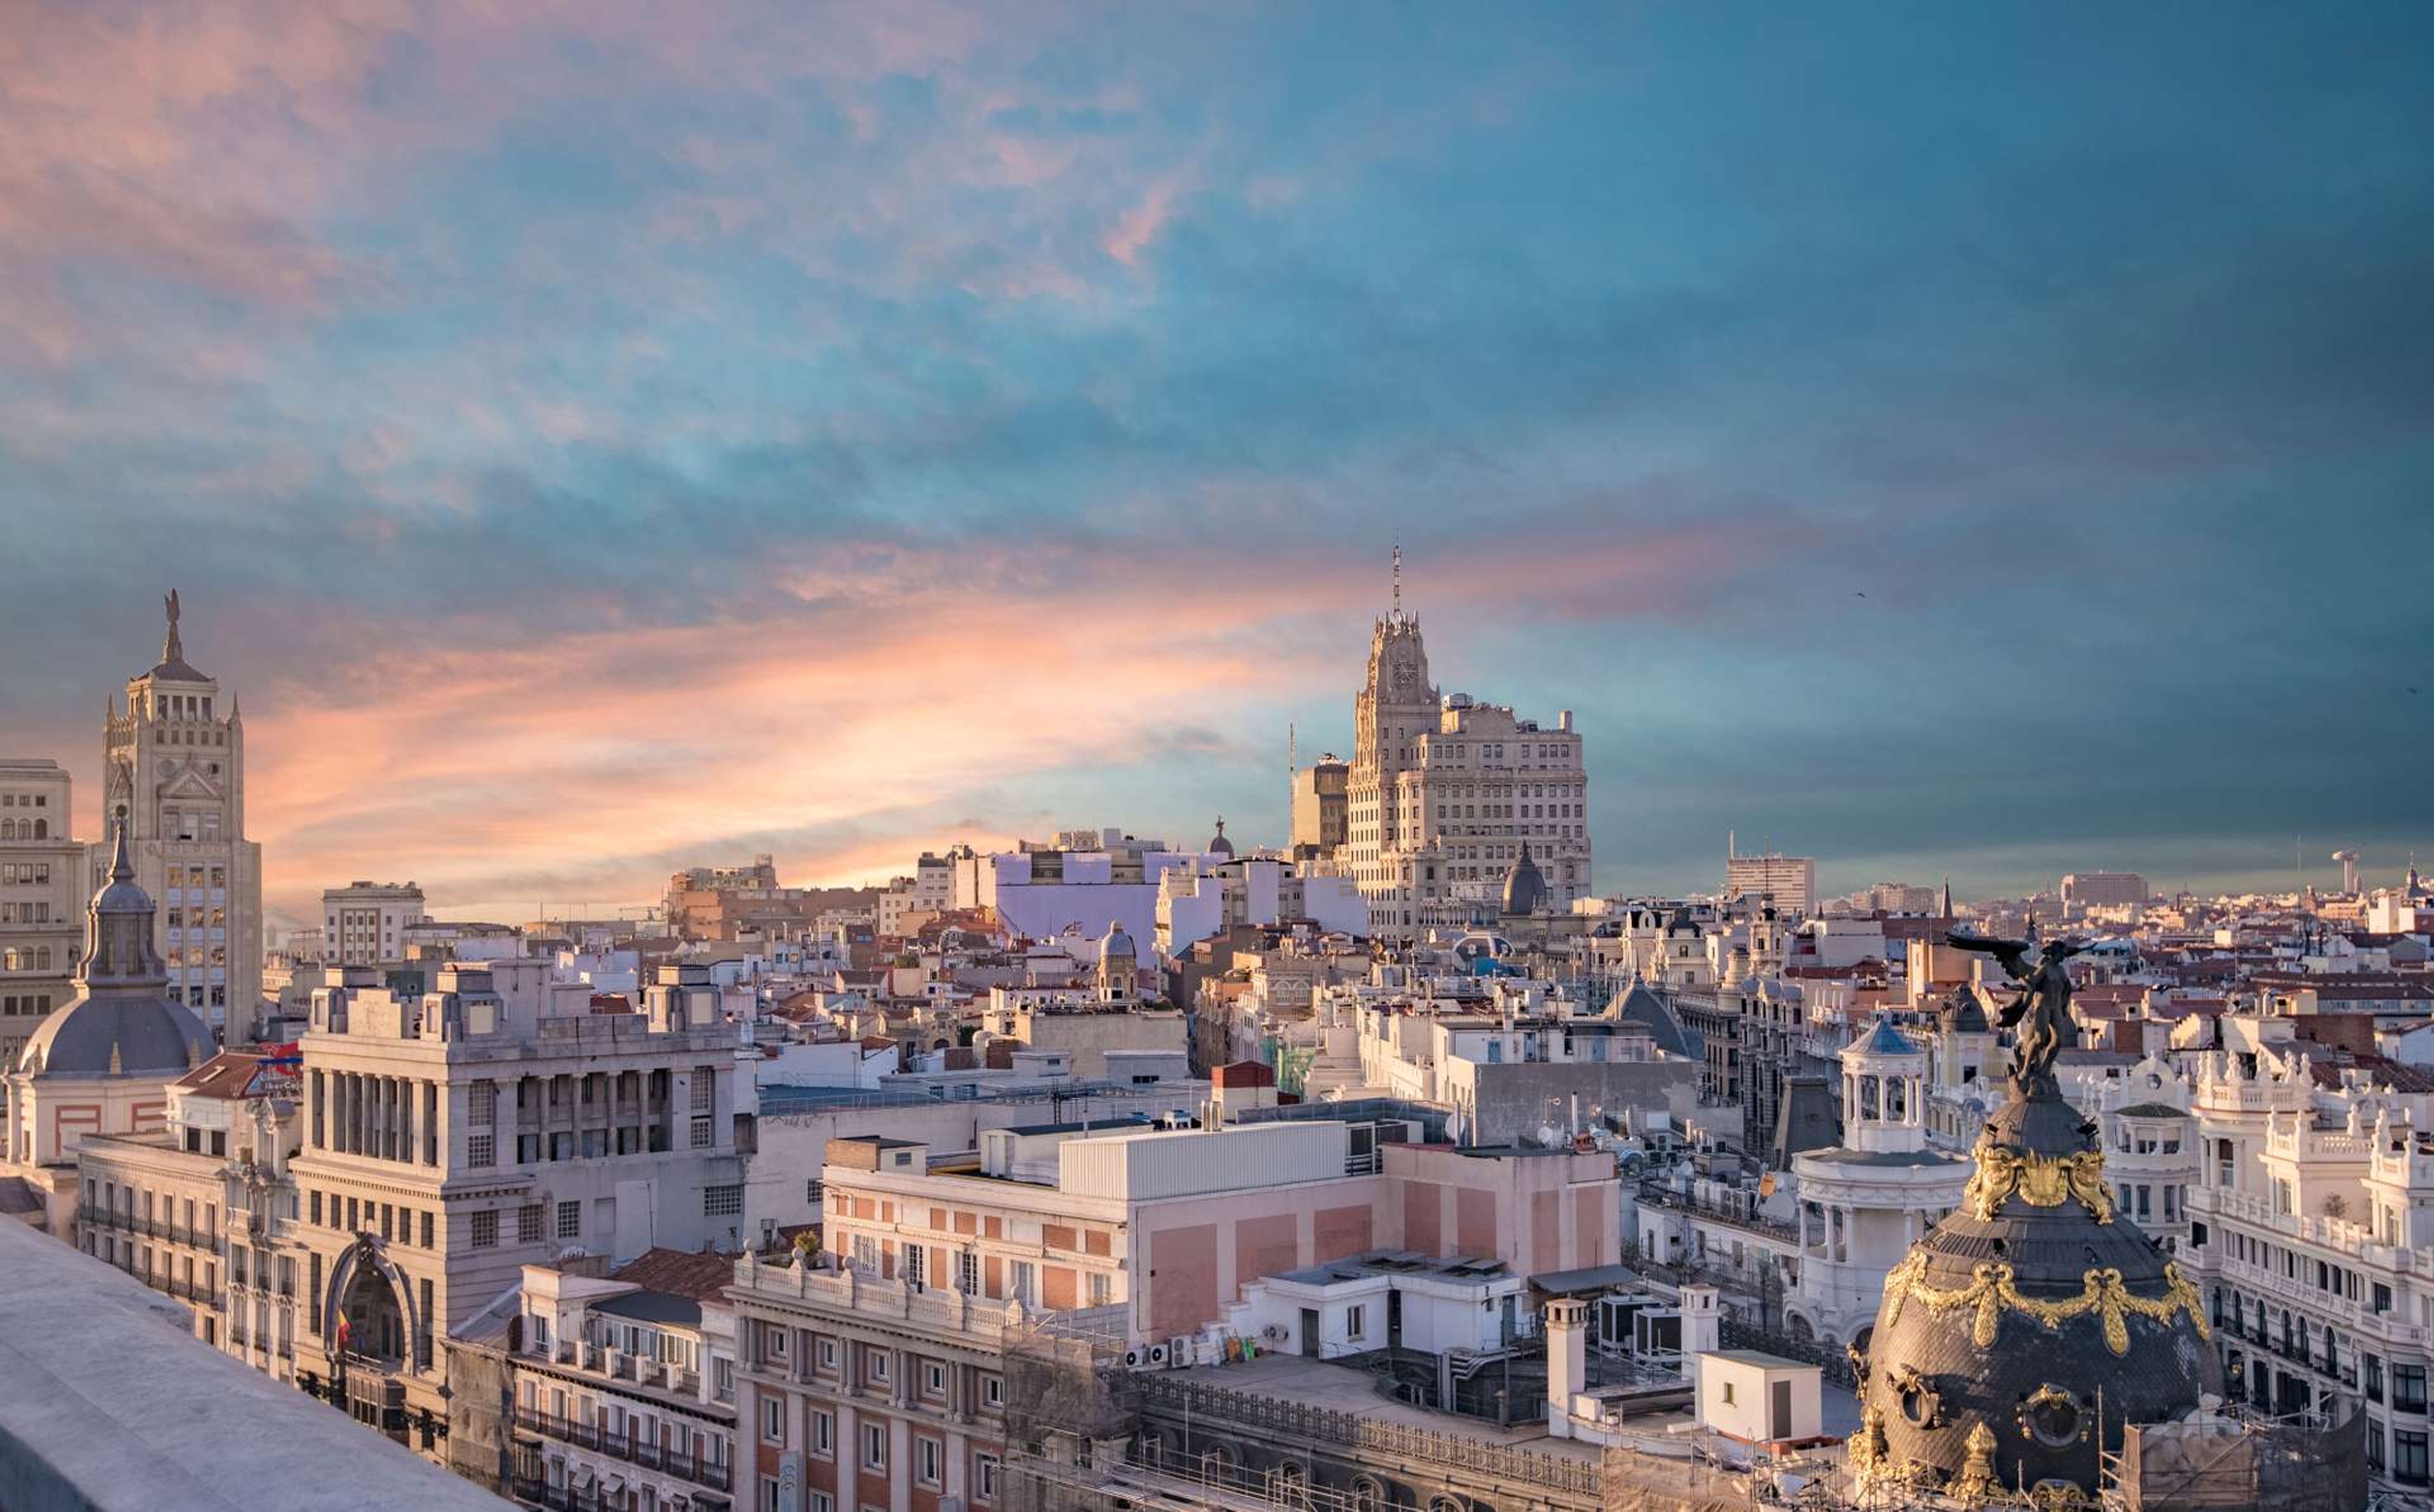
[[1158, 1356], [1135, 1359], [1180, 1353]]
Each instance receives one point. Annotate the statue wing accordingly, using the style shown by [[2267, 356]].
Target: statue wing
[[2013, 953]]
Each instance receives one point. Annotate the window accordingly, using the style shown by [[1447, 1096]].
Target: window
[[2409, 1387], [824, 1435], [722, 1202], [928, 1461], [486, 1230], [1017, 1283], [316, 1209], [1102, 1288], [985, 1477], [2409, 1456], [916, 1258], [1729, 1394], [528, 1223], [1352, 1324], [705, 1080], [701, 1137], [866, 1254], [481, 1149], [569, 1219], [427, 1230], [875, 1361], [483, 1106], [827, 1355], [773, 1421], [992, 1391], [773, 1340], [934, 1379], [874, 1446], [968, 1273], [2375, 1378]]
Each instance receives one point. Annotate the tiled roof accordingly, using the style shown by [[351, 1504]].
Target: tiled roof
[[698, 1274]]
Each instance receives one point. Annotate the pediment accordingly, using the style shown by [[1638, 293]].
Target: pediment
[[188, 783]]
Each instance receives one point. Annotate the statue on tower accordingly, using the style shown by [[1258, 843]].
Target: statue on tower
[[2041, 1009], [171, 650]]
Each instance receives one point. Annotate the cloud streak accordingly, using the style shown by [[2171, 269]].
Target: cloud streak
[[596, 436]]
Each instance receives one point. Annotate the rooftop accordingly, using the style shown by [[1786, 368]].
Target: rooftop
[[113, 1406]]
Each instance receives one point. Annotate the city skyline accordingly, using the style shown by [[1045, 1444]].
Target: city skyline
[[1931, 450]]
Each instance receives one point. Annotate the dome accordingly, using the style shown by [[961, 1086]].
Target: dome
[[1115, 941], [114, 1036], [2019, 1336], [121, 1024], [1220, 845], [1882, 1038], [1525, 890], [1964, 1015]]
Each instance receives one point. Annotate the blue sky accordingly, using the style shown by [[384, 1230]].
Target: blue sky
[[595, 438]]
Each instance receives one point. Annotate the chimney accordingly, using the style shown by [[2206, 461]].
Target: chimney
[[1567, 1319], [1702, 1330]]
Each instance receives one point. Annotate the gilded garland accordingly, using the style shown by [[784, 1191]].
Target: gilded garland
[[2040, 1181], [1991, 1291]]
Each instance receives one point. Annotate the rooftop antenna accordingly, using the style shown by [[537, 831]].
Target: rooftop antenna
[[1399, 572]]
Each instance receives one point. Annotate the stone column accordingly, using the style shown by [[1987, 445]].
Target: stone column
[[900, 1465]]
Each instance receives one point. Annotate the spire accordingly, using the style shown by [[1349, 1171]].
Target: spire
[[121, 869], [171, 648], [1399, 574]]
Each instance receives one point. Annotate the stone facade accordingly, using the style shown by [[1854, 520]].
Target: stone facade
[[173, 766], [42, 881], [1444, 792]]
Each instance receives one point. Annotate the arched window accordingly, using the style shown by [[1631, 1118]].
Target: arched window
[[8, 829], [43, 957], [41, 829]]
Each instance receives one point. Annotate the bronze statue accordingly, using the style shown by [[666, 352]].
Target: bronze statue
[[2042, 1008]]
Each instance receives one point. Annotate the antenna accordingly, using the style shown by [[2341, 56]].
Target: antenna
[[1399, 572]]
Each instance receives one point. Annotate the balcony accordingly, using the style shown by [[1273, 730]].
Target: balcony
[[647, 1454]]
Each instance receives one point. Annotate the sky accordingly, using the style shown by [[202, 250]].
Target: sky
[[594, 438]]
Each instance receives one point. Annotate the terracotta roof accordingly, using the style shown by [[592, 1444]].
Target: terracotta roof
[[701, 1275], [225, 1074], [235, 1074]]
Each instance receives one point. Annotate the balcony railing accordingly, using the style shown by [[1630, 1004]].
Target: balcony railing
[[648, 1453]]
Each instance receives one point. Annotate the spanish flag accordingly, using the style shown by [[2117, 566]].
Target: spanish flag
[[343, 1329]]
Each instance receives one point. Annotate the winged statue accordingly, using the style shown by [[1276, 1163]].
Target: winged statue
[[2040, 1009]]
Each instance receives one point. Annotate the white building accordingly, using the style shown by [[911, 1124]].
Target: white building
[[172, 768], [624, 1384], [1197, 902], [1445, 794], [907, 900], [1864, 1202], [1043, 892], [365, 923], [42, 889], [454, 1136], [1789, 882]]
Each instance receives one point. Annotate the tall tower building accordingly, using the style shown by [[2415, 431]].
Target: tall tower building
[[173, 772], [1446, 792]]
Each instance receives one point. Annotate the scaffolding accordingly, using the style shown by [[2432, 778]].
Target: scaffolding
[[2208, 1463], [1071, 1404]]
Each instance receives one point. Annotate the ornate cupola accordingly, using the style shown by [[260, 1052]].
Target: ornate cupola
[[1884, 1092], [2018, 1338]]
